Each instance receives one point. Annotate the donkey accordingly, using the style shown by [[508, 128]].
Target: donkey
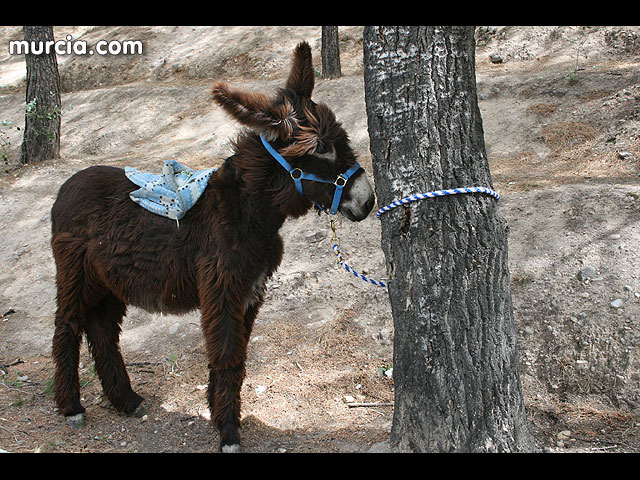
[[110, 253]]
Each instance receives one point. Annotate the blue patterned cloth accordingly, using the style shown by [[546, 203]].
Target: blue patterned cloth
[[172, 193]]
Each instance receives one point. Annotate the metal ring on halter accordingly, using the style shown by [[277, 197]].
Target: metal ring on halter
[[299, 175], [344, 181]]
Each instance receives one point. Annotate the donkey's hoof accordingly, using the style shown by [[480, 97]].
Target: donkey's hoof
[[234, 448], [75, 421], [140, 411]]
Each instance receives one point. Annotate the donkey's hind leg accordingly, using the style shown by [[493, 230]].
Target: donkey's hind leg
[[66, 354], [103, 335], [69, 254]]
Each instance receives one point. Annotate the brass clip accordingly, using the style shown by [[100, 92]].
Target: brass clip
[[334, 238]]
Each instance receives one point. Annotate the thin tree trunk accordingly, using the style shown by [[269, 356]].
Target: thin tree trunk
[[41, 140], [330, 53], [456, 367]]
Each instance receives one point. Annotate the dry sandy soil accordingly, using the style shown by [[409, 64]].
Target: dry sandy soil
[[561, 114]]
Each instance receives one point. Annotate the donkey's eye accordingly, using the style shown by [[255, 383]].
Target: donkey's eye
[[325, 151], [321, 148]]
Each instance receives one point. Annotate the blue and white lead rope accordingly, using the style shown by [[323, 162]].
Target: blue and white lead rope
[[397, 203], [352, 271], [437, 193]]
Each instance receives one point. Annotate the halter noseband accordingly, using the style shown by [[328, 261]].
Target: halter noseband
[[298, 175]]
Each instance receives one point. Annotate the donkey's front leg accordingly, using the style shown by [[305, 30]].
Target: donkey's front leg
[[224, 404], [226, 373], [226, 345]]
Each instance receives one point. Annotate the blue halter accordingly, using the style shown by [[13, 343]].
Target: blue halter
[[298, 175]]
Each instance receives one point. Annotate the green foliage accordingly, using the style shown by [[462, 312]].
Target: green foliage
[[39, 115], [385, 371], [4, 149], [573, 74]]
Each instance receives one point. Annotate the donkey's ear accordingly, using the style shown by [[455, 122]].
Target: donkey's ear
[[301, 78], [248, 108], [256, 110]]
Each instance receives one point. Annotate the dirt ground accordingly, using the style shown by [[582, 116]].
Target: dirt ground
[[561, 114]]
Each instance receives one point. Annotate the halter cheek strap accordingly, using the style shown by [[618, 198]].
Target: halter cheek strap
[[298, 175]]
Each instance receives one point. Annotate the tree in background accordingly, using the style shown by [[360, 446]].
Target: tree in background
[[41, 140], [456, 365], [330, 53]]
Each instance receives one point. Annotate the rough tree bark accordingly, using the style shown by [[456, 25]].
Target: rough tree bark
[[330, 53], [456, 366], [41, 140]]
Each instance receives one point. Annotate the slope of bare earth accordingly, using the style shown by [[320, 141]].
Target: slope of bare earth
[[561, 118]]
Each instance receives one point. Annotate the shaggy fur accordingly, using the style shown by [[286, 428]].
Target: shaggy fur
[[109, 252]]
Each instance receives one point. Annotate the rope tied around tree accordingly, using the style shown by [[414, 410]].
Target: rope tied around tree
[[335, 242]]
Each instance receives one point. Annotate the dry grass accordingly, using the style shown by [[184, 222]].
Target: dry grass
[[566, 135], [576, 152], [339, 334], [582, 413], [542, 108]]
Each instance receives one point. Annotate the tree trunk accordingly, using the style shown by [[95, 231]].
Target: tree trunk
[[456, 367], [330, 53], [41, 139]]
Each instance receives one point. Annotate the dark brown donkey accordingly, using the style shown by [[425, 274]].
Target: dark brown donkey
[[110, 252]]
